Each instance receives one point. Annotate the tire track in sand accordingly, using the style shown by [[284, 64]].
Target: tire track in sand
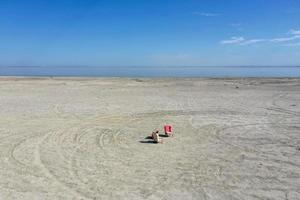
[[278, 108], [99, 135], [48, 173]]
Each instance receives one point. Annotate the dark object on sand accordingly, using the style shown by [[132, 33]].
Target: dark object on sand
[[155, 137]]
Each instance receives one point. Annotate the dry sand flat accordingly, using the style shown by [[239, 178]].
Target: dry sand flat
[[85, 138]]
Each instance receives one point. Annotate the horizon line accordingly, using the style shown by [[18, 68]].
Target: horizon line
[[155, 66]]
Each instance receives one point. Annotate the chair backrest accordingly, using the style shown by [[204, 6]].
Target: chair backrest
[[168, 128]]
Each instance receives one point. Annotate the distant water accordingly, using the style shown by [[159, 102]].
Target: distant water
[[151, 71]]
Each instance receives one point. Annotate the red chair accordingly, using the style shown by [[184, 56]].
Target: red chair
[[168, 130]]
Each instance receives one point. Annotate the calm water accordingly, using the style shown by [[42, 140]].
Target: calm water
[[153, 71]]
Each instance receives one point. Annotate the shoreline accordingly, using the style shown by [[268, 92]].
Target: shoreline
[[149, 77]]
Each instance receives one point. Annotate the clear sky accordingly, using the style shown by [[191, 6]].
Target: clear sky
[[149, 32]]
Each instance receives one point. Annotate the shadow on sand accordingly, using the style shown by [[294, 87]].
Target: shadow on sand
[[160, 135], [148, 142], [163, 135]]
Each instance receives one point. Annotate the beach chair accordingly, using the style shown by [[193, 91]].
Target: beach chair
[[168, 130]]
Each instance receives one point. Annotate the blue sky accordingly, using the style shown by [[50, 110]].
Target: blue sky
[[149, 32]]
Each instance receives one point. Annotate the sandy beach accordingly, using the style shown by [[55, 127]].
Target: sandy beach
[[85, 138]]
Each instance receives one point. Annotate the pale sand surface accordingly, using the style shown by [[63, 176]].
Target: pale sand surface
[[81, 138]]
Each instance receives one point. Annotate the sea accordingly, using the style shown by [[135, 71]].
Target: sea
[[154, 71]]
